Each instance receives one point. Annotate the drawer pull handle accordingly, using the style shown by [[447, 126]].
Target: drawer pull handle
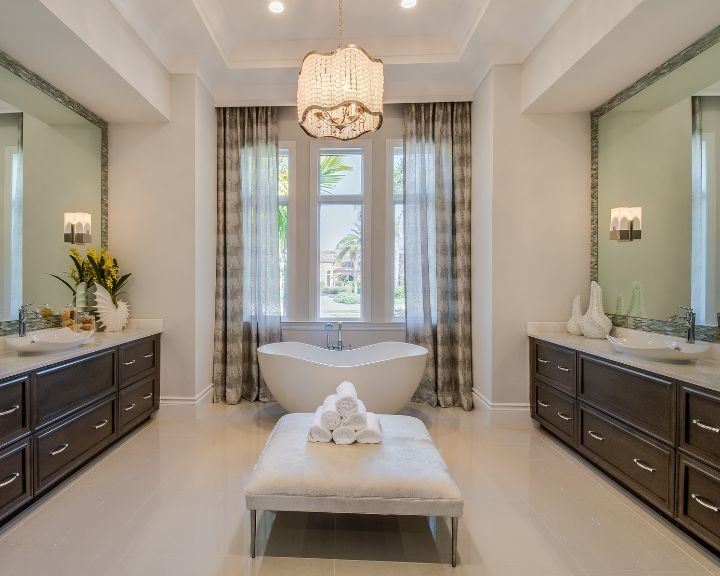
[[563, 368], [101, 424], [10, 479], [596, 436], [543, 361], [127, 409], [148, 356], [10, 411], [129, 363], [704, 426], [564, 416], [59, 450], [699, 499], [147, 396], [643, 465], [543, 404]]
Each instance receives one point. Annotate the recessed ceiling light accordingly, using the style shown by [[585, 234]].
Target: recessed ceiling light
[[277, 7], [408, 3]]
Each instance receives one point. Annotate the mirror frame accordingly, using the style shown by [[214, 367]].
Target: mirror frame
[[706, 333], [12, 65]]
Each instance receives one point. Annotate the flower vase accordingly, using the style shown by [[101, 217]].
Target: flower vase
[[112, 317], [595, 324]]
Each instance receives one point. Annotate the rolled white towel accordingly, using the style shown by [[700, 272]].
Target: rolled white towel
[[317, 432], [358, 420], [372, 433], [343, 435], [330, 416], [346, 400]]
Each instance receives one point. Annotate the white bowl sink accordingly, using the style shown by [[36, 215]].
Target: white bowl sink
[[46, 341], [658, 347]]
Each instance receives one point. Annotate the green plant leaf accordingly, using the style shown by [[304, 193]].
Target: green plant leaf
[[120, 283], [64, 282], [78, 267]]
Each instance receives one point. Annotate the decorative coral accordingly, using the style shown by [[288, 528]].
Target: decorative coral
[[113, 315]]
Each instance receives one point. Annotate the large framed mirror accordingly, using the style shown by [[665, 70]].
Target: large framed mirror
[[656, 195], [53, 190]]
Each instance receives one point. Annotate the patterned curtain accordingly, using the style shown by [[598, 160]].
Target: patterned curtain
[[247, 297], [437, 248]]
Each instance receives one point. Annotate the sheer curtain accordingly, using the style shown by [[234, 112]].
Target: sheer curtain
[[437, 248], [247, 297]]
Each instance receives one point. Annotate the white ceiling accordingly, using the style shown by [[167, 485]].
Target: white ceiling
[[441, 49]]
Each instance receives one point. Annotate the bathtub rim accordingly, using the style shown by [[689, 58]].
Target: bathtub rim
[[418, 351]]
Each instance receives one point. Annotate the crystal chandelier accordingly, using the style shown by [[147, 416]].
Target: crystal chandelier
[[340, 94]]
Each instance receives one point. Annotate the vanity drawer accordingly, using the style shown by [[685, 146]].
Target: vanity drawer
[[61, 389], [699, 499], [636, 460], [136, 403], [700, 424], [556, 411], [14, 409], [74, 441], [643, 400], [15, 477], [136, 358], [555, 366]]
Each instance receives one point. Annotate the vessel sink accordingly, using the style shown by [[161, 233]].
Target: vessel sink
[[658, 347], [46, 341]]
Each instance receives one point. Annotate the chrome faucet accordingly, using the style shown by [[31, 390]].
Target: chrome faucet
[[23, 315], [340, 346], [689, 318]]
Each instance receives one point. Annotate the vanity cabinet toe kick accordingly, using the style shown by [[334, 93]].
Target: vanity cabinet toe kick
[[658, 437], [56, 419]]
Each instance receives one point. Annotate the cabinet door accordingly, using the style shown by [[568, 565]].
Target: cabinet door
[[555, 411], [62, 389], [699, 499], [137, 358], [555, 366], [14, 409], [137, 402], [637, 398], [700, 424], [15, 477]]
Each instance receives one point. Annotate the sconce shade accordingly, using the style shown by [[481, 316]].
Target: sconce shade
[[77, 228], [626, 223]]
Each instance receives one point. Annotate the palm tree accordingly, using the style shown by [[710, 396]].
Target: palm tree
[[350, 246], [332, 171]]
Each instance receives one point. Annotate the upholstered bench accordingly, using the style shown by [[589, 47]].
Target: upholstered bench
[[404, 475]]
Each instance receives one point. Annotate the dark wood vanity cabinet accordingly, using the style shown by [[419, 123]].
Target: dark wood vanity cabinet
[[56, 419], [658, 437]]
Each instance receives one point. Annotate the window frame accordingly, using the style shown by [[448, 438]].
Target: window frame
[[391, 199], [365, 201]]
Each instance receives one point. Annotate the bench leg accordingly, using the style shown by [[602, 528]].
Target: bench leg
[[253, 528], [454, 541]]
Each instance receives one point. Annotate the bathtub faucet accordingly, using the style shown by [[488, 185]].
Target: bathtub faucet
[[328, 327]]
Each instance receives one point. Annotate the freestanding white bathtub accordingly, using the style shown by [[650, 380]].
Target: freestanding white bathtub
[[300, 376]]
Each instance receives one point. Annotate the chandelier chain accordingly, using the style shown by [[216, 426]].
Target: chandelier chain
[[340, 22]]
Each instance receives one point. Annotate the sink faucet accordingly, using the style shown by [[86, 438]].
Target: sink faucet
[[689, 318], [24, 314]]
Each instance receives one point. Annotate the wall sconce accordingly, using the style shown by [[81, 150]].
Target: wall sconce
[[78, 227], [626, 223]]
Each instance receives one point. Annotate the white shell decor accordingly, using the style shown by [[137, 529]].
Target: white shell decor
[[112, 318], [595, 324], [637, 301], [574, 325], [81, 295]]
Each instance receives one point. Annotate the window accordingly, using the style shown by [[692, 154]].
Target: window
[[395, 166], [340, 196], [285, 185]]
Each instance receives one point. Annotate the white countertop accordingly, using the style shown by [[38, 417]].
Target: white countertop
[[705, 372], [12, 363]]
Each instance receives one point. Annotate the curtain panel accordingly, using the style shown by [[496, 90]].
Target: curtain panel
[[247, 296], [437, 248]]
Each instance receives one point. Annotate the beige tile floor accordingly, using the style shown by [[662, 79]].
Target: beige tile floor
[[169, 500]]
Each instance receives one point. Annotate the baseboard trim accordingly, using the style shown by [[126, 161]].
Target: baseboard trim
[[501, 406], [201, 397]]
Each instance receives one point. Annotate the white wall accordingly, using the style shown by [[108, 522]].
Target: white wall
[[645, 159], [531, 232], [162, 203]]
